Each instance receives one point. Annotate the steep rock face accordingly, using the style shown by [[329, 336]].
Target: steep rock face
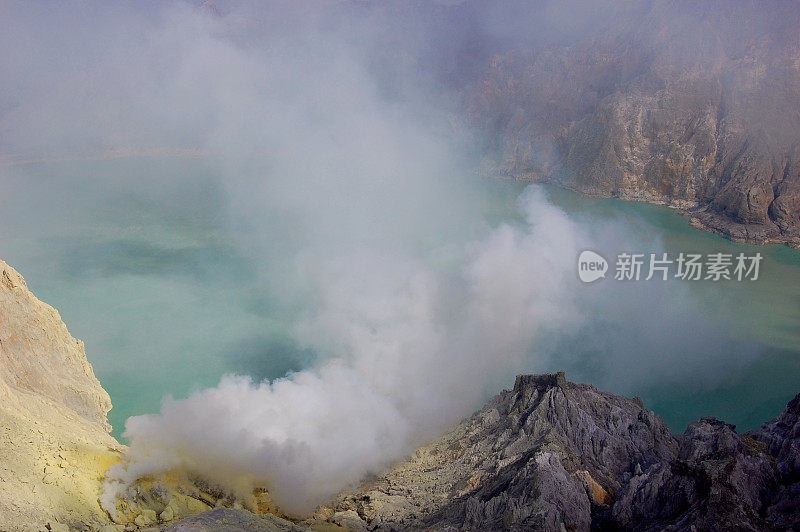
[[782, 438], [551, 455], [719, 480], [54, 441], [39, 355], [694, 106]]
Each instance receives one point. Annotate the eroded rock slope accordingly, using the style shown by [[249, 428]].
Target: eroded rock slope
[[54, 433], [551, 454]]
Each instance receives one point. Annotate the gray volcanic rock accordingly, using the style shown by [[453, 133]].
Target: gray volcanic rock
[[546, 453], [719, 480], [566, 449], [551, 455], [782, 438], [555, 455]]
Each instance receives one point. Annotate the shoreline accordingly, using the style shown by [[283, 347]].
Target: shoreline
[[700, 216]]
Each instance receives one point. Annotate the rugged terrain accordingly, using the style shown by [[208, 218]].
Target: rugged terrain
[[555, 455], [696, 106], [551, 454]]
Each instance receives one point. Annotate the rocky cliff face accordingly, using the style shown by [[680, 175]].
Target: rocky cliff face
[[782, 439], [54, 441], [690, 105], [551, 454]]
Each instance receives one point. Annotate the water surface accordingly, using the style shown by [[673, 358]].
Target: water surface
[[144, 263]]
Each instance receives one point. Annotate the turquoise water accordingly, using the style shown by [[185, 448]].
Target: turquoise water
[[152, 283], [750, 333], [144, 264]]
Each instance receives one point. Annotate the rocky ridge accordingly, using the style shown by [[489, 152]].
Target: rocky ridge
[[551, 454], [556, 455]]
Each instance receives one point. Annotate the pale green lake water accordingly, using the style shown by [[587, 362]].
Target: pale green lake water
[[142, 263]]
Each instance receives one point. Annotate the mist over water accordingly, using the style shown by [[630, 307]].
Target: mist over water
[[256, 215]]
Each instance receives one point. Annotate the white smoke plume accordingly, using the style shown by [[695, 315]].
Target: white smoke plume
[[345, 182], [411, 350]]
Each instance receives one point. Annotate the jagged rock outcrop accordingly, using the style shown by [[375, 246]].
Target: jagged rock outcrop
[[782, 439], [689, 105], [555, 455], [552, 455], [54, 440], [719, 480]]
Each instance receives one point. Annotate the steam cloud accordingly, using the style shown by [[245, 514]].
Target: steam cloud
[[346, 179], [408, 357]]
